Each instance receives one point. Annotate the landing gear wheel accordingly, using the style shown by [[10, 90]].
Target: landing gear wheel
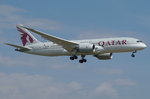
[[71, 58], [84, 60], [133, 55], [75, 57], [80, 61]]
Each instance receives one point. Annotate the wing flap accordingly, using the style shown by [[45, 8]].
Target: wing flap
[[66, 44]]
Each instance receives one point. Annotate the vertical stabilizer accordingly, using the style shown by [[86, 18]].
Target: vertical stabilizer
[[26, 37]]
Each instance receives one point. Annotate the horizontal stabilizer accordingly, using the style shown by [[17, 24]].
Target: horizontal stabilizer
[[21, 48]]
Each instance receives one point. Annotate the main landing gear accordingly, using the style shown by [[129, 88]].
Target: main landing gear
[[73, 57], [82, 60], [133, 54]]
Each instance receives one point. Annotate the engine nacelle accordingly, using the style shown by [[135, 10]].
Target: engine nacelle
[[98, 49], [86, 47], [105, 56]]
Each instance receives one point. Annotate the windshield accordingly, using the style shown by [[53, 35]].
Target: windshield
[[139, 41]]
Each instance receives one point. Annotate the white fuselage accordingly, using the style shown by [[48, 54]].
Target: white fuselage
[[110, 45]]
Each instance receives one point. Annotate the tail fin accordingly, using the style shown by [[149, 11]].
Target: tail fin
[[26, 37]]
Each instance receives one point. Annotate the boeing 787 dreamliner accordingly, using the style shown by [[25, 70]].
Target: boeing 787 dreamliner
[[102, 48]]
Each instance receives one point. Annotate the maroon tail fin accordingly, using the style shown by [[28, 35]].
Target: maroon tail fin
[[26, 37]]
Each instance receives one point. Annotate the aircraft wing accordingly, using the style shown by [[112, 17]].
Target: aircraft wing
[[21, 48], [66, 44]]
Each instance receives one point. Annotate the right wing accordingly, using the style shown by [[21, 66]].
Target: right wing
[[66, 44], [21, 48]]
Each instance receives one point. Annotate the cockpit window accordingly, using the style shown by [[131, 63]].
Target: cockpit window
[[139, 41]]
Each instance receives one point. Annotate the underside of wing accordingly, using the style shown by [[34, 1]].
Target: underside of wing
[[66, 44], [20, 48]]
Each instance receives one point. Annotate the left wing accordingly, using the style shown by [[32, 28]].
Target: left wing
[[66, 44]]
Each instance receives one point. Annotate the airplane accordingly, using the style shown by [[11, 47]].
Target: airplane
[[102, 48]]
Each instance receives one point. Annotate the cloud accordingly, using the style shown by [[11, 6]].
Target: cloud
[[75, 86], [25, 86], [10, 16], [25, 61], [54, 63], [103, 33], [35, 86], [125, 82], [7, 10], [44, 23], [21, 86], [107, 90], [88, 34], [109, 71], [15, 61]]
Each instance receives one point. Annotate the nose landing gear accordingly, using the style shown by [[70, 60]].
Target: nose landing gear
[[133, 54]]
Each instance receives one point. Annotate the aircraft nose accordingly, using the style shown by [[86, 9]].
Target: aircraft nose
[[143, 46]]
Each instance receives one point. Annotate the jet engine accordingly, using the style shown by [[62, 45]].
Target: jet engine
[[86, 47], [89, 48], [104, 56], [98, 49]]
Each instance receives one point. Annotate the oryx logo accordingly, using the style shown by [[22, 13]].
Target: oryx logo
[[25, 37]]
